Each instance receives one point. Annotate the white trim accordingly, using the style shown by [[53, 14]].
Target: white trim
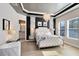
[[74, 45], [23, 8], [29, 11], [73, 28], [59, 28], [67, 28], [73, 38]]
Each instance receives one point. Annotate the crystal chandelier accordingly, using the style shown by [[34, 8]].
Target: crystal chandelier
[[46, 17]]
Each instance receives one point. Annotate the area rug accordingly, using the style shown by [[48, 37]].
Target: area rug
[[50, 53]]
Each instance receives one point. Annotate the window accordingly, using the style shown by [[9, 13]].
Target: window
[[73, 28], [62, 28]]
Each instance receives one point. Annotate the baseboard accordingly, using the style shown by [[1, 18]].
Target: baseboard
[[71, 44], [29, 40]]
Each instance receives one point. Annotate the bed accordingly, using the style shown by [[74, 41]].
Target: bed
[[44, 38]]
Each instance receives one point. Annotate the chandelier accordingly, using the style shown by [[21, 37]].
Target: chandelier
[[46, 17]]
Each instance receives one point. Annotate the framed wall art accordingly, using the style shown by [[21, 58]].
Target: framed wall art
[[6, 24], [44, 23], [39, 23]]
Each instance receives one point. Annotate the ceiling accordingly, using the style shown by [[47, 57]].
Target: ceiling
[[50, 8]]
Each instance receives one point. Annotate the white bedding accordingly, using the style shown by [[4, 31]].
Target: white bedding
[[44, 38], [42, 32]]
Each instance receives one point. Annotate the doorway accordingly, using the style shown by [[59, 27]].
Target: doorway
[[22, 29]]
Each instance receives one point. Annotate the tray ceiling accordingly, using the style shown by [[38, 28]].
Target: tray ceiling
[[51, 8]]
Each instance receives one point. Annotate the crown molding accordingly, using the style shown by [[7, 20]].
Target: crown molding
[[69, 6]]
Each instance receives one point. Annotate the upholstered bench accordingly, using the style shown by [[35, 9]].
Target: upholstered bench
[[10, 49]]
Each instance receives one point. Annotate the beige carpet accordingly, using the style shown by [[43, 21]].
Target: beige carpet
[[50, 53]]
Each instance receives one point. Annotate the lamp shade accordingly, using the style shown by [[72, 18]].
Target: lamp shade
[[46, 17]]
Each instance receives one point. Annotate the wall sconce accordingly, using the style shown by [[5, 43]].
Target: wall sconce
[[11, 34]]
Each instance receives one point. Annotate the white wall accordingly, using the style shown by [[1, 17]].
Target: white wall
[[32, 27], [69, 15], [7, 12], [51, 25]]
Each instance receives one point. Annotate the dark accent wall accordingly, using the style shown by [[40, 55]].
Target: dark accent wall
[[28, 26], [40, 19], [54, 21]]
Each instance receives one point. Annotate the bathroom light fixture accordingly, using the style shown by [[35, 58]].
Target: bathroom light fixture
[[46, 17]]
